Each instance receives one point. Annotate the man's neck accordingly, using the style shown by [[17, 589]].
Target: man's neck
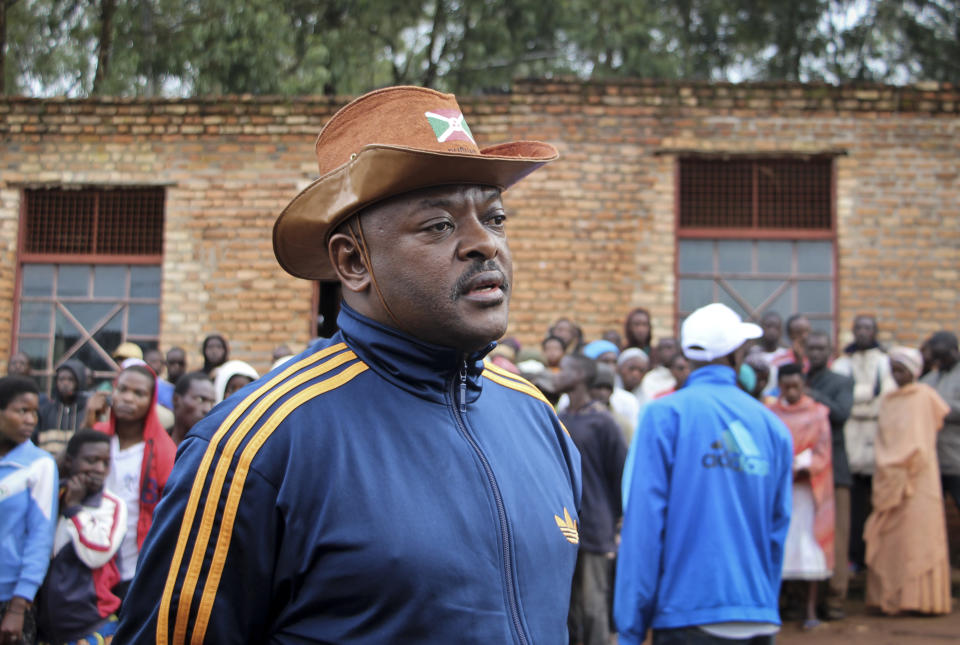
[[769, 346], [129, 433], [947, 364], [579, 397], [816, 369], [178, 432]]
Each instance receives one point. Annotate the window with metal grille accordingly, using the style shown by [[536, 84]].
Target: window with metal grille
[[94, 221], [756, 193], [89, 276], [758, 235]]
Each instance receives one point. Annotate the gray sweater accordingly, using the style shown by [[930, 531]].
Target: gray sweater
[[947, 385]]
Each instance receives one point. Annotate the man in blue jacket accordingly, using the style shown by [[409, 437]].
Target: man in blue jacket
[[384, 486], [706, 502]]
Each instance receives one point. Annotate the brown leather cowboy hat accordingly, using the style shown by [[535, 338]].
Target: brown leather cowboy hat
[[381, 145]]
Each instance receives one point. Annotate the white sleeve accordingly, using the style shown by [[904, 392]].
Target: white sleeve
[[96, 533]]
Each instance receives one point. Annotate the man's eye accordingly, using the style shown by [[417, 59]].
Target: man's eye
[[440, 227], [498, 220]]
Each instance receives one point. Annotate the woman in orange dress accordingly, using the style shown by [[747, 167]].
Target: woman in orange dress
[[908, 566]]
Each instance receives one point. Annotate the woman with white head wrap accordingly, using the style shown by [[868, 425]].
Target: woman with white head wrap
[[907, 562], [231, 376]]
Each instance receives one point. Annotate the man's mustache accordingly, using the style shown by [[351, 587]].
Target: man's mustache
[[480, 266]]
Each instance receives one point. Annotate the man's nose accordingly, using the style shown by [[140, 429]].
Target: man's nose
[[478, 241]]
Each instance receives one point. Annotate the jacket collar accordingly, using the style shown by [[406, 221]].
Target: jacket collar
[[423, 369], [713, 375]]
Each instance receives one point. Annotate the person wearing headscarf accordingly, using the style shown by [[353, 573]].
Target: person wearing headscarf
[[141, 458], [215, 352], [231, 376], [632, 365], [908, 566], [602, 351]]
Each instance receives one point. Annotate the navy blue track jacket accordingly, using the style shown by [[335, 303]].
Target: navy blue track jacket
[[374, 489]]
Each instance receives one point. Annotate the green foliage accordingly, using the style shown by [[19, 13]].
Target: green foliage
[[287, 47]]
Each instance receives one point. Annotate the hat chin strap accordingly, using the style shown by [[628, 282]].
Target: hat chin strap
[[361, 243]]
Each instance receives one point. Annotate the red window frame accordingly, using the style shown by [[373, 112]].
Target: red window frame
[[119, 226]]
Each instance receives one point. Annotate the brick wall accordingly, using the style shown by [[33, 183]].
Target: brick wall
[[592, 234]]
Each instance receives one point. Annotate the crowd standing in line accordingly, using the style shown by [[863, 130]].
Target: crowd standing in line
[[903, 438], [897, 410]]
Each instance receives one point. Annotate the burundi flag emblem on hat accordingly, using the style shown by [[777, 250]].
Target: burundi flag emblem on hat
[[449, 125]]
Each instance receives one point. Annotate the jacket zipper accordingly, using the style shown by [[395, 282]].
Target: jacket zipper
[[501, 509]]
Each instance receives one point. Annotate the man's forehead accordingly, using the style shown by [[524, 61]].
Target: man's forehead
[[200, 386], [94, 448]]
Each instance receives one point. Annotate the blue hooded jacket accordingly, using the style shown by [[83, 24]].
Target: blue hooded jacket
[[28, 517], [374, 489], [707, 500]]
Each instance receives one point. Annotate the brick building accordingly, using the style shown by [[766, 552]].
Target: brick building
[[151, 219]]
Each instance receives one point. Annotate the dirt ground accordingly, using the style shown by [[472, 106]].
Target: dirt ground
[[863, 628], [866, 627]]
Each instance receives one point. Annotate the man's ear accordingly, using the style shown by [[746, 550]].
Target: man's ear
[[348, 262]]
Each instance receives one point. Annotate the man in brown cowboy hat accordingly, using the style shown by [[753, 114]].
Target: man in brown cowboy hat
[[385, 486]]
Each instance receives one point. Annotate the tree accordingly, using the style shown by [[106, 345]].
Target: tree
[[189, 47]]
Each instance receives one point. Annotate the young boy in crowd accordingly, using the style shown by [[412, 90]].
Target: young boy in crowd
[[75, 604]]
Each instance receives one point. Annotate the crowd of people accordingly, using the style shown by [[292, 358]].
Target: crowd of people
[[874, 434], [81, 472], [408, 480], [868, 464]]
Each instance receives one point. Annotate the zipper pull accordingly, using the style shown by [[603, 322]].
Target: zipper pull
[[463, 388]]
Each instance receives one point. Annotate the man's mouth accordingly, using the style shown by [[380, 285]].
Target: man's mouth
[[489, 286]]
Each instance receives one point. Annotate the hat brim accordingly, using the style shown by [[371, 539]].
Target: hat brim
[[379, 172]]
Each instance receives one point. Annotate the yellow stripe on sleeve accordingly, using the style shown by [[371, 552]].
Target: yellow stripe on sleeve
[[496, 369], [219, 478], [196, 490], [524, 387], [212, 582], [519, 386]]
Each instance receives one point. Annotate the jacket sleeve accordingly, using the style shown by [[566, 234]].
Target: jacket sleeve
[[96, 533], [41, 523], [837, 396], [208, 541], [638, 562]]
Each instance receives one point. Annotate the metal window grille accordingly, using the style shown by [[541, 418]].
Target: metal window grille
[[756, 194], [94, 222]]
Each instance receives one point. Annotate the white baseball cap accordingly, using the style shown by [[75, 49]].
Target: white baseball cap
[[714, 331]]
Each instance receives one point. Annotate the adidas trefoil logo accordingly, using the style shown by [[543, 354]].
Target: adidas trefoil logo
[[568, 527]]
